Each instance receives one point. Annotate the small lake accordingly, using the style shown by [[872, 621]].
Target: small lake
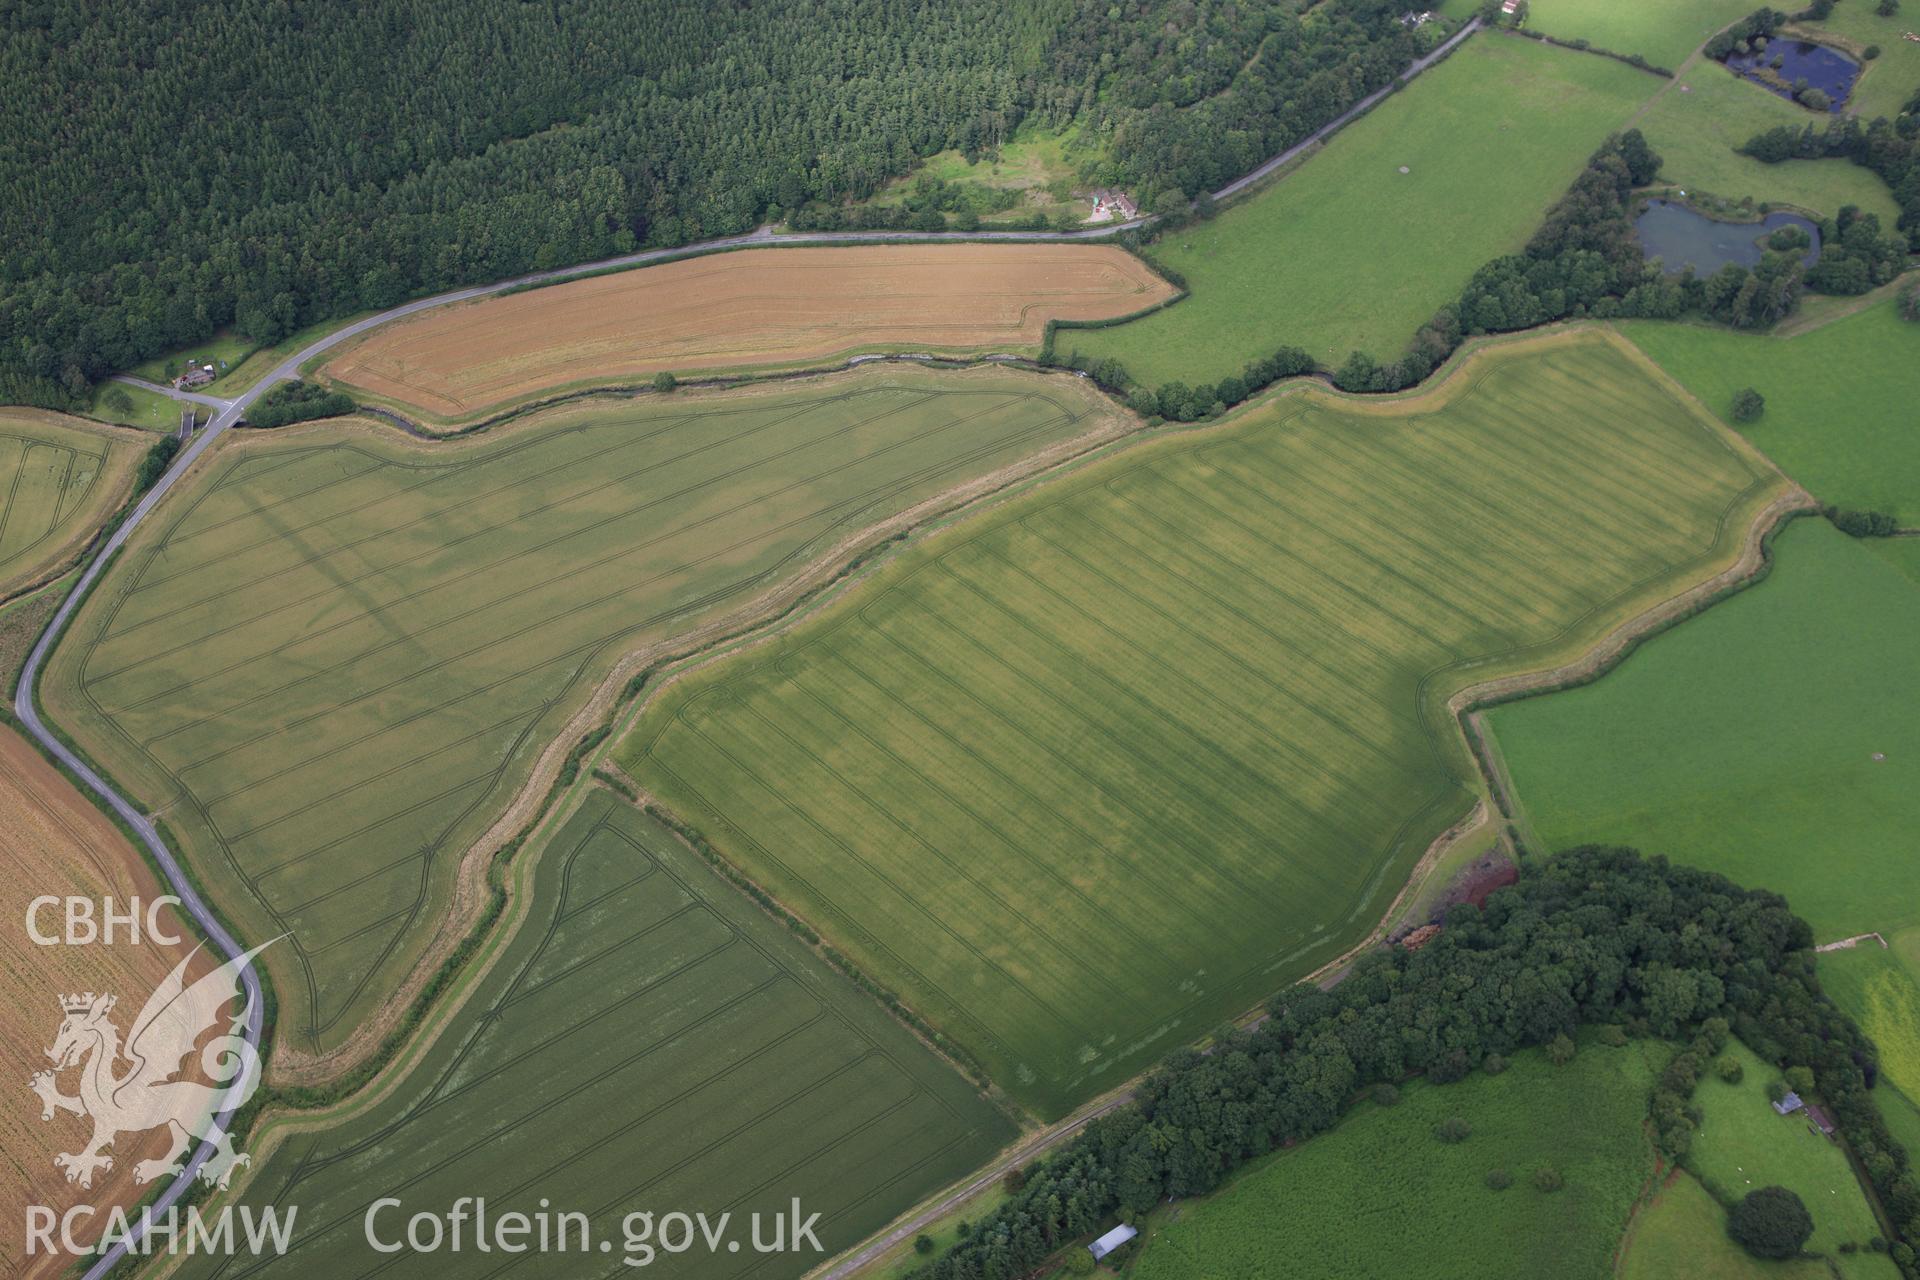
[[1822, 68], [1682, 238]]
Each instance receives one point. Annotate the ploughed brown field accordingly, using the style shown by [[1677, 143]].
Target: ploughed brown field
[[750, 308], [53, 842]]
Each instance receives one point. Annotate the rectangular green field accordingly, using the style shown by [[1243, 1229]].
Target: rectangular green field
[[59, 479], [1682, 1231], [1087, 775], [338, 653], [650, 1042], [1775, 739], [1880, 986], [1840, 399], [1696, 123], [1380, 1196], [1348, 252], [1742, 1144], [1663, 32]]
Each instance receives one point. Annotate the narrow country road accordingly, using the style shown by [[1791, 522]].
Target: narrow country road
[[1358, 109], [229, 412]]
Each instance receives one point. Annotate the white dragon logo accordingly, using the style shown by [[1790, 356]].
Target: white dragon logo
[[146, 1096]]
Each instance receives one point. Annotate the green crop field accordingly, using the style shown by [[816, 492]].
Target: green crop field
[[1880, 987], [1683, 1232], [1840, 399], [1348, 252], [650, 1041], [1083, 777], [1742, 1145], [1696, 123], [1746, 740], [58, 481], [339, 652], [1661, 31], [1380, 1196]]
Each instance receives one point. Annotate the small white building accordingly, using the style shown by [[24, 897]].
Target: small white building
[[1788, 1105], [1107, 1243]]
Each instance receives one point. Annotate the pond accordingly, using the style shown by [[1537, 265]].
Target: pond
[[1682, 238], [1825, 69]]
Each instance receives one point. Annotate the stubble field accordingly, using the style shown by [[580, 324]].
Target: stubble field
[[52, 842], [1087, 775], [752, 308], [338, 654]]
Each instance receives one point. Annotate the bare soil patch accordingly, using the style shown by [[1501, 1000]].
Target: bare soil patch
[[747, 309]]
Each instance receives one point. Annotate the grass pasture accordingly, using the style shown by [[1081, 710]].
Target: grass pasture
[[58, 480], [124, 405], [650, 1040], [1347, 252], [1840, 399], [338, 652], [1744, 741], [1087, 775], [1880, 987], [748, 309], [1742, 1145], [1683, 1232], [225, 351], [1890, 79], [1379, 1196], [1661, 31], [1696, 123]]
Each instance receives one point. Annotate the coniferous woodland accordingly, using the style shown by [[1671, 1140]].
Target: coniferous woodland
[[182, 166], [1589, 937]]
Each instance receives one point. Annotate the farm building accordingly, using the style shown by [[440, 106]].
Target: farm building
[[1113, 206], [1821, 1120], [1788, 1105], [1509, 7], [1107, 1243], [197, 375]]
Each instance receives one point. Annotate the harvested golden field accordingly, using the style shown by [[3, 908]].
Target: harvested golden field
[[752, 308], [53, 842]]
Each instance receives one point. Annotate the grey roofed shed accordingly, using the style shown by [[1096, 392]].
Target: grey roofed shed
[[1107, 1243]]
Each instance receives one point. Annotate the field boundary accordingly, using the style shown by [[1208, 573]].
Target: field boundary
[[561, 800], [718, 369], [464, 915], [1426, 829], [389, 411], [1752, 567], [80, 543]]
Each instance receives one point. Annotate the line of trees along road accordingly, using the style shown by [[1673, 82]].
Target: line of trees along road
[[176, 167]]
